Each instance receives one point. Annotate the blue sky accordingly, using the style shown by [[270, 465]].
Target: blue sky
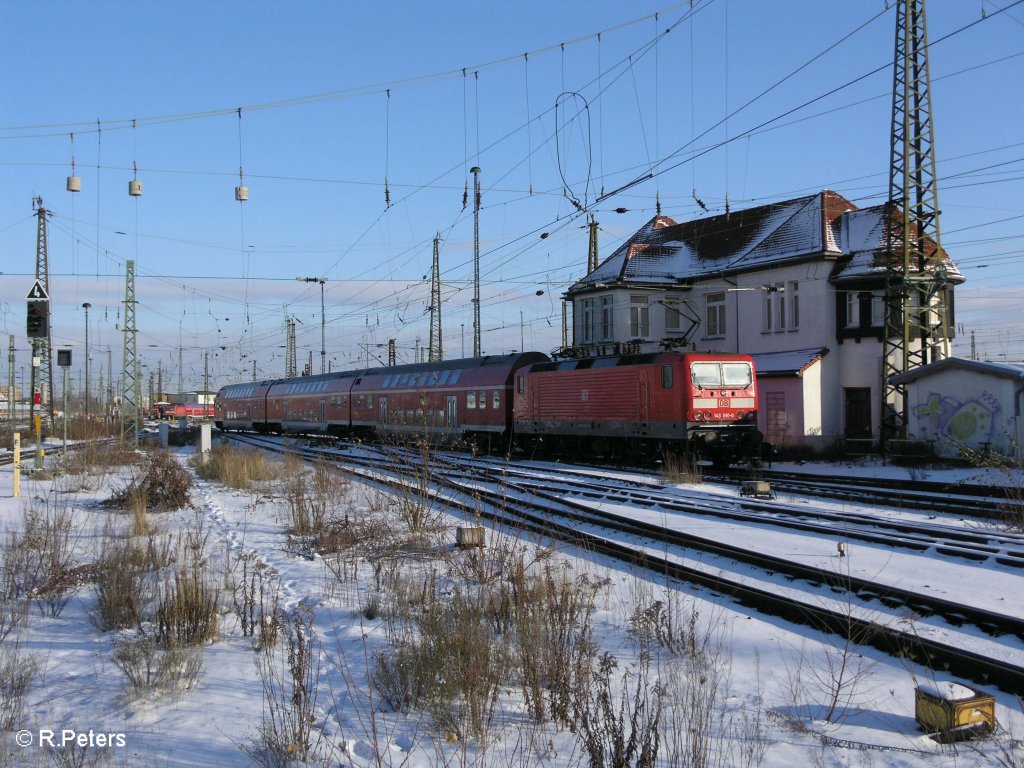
[[337, 97]]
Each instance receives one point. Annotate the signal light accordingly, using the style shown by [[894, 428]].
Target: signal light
[[37, 321]]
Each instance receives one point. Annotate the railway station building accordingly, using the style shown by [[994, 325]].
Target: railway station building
[[799, 285]]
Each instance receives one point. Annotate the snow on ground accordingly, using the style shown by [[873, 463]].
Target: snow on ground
[[773, 673]]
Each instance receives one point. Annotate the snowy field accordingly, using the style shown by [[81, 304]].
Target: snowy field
[[738, 689]]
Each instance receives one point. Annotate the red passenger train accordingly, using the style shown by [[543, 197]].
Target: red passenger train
[[642, 405]]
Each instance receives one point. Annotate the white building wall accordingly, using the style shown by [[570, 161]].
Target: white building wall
[[814, 405]]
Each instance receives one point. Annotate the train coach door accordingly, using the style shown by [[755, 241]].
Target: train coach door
[[383, 410], [323, 411], [451, 412]]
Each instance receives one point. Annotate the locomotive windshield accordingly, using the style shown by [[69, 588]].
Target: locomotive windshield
[[709, 375]]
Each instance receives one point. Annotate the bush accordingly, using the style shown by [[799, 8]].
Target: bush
[[187, 614], [147, 666], [161, 482], [121, 586]]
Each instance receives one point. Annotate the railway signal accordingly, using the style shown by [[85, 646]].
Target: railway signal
[[37, 324]]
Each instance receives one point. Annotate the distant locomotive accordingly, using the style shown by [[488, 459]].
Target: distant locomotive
[[635, 405]]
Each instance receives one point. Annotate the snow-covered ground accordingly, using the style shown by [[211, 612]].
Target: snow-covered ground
[[770, 694]]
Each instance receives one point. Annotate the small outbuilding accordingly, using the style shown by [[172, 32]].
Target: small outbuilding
[[957, 404]]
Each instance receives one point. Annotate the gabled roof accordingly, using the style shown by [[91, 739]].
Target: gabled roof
[[824, 225]]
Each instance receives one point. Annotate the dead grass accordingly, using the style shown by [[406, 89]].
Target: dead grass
[[240, 468]]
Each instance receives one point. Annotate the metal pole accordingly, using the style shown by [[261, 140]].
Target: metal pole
[[476, 260], [323, 322], [86, 306], [65, 412]]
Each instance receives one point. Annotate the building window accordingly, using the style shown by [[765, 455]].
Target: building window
[[852, 309], [793, 289], [878, 309], [607, 319], [714, 314], [774, 307], [639, 317], [672, 314], [869, 305], [588, 320]]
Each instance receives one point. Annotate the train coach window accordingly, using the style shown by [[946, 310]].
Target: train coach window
[[666, 377], [482, 399], [471, 399], [496, 399], [521, 384], [455, 376]]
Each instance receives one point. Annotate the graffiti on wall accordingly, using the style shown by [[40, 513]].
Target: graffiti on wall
[[970, 422]]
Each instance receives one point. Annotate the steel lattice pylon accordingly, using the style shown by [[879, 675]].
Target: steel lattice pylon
[[436, 345], [916, 284], [131, 383], [290, 363], [41, 347]]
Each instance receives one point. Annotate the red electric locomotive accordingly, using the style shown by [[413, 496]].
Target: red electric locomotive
[[641, 405]]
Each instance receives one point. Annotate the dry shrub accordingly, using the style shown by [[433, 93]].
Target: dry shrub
[[88, 457], [187, 613], [290, 672], [624, 733], [676, 468], [160, 481], [149, 666], [452, 664], [16, 674], [549, 617], [121, 586], [14, 601], [318, 516], [257, 597], [236, 467], [39, 564]]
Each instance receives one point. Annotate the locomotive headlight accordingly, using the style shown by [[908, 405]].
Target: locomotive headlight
[[696, 415], [740, 414], [707, 415]]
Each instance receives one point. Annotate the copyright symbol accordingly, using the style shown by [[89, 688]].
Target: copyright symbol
[[23, 738]]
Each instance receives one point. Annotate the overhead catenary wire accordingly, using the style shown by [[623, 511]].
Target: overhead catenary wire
[[98, 220]]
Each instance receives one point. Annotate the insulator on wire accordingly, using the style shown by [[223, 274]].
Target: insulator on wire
[[465, 196], [387, 193]]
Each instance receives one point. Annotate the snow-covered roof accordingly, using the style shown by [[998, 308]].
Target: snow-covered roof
[[1001, 370], [862, 237], [791, 363], [824, 225]]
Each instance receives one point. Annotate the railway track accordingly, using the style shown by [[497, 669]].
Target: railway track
[[972, 545], [958, 499], [861, 609]]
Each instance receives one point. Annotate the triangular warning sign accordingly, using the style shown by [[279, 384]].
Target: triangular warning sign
[[37, 292]]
